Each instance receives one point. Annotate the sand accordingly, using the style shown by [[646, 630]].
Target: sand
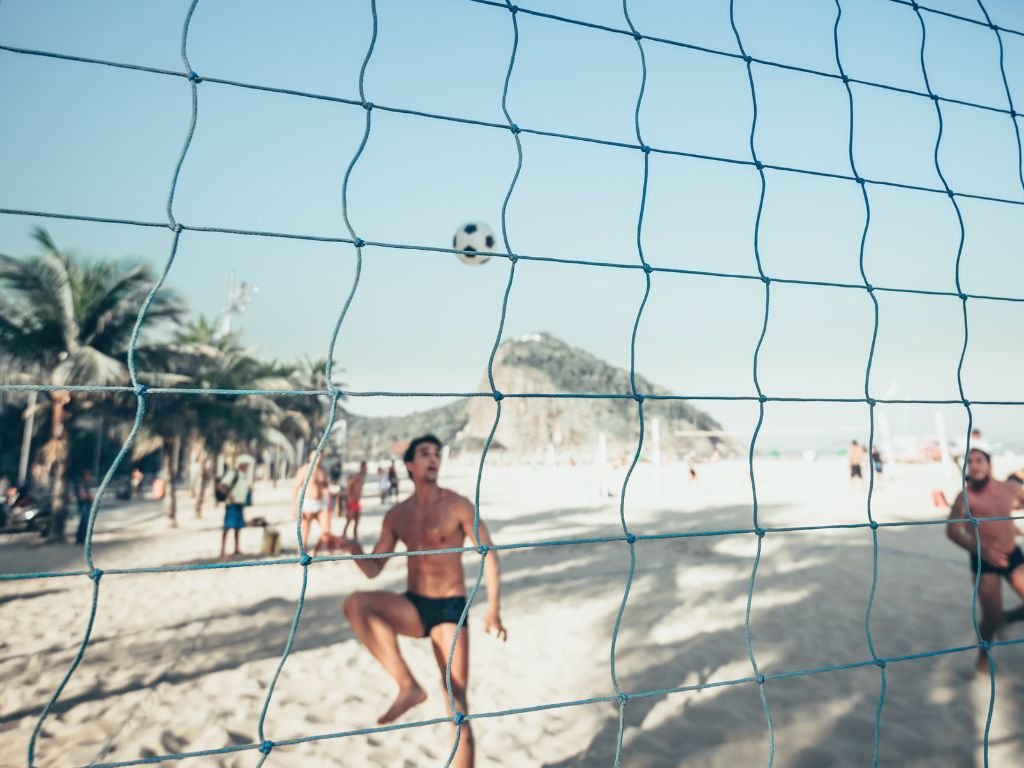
[[180, 661]]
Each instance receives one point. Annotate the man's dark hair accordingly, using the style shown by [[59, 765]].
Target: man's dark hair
[[410, 452]]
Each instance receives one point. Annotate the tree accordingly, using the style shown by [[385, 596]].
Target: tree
[[74, 319], [201, 359]]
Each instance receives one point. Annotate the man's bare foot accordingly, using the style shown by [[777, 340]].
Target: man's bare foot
[[407, 699]]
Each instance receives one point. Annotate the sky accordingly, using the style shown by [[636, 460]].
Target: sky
[[84, 139]]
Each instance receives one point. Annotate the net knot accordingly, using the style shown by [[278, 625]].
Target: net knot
[[766, 280], [513, 8], [986, 646], [951, 193], [631, 538], [305, 560], [266, 746], [966, 403], [336, 393], [622, 698], [872, 402], [459, 718], [368, 106], [762, 399], [483, 549], [637, 36], [760, 679], [748, 58], [874, 525], [638, 397], [759, 165], [846, 79], [934, 96], [859, 180], [645, 149], [96, 575], [514, 258], [962, 296], [994, 27], [1014, 114], [514, 128], [869, 288], [141, 390], [175, 227], [760, 532], [648, 268], [359, 242], [880, 663], [498, 397], [914, 5], [193, 77]]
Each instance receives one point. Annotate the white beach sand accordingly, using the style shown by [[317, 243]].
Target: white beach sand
[[180, 661]]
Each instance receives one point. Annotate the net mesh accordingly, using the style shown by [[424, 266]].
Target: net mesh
[[265, 744]]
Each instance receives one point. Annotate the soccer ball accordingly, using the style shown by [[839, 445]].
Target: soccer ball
[[472, 238]]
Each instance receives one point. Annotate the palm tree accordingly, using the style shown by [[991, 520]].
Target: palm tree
[[203, 359], [74, 319]]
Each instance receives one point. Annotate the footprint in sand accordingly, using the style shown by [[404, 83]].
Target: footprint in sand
[[172, 742]]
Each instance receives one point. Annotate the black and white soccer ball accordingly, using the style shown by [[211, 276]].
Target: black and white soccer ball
[[472, 239]]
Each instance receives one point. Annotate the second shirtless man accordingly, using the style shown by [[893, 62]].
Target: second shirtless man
[[432, 518], [1000, 556]]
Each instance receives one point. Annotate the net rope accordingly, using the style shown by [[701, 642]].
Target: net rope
[[621, 697]]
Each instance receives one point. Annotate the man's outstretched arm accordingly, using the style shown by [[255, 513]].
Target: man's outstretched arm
[[958, 530], [372, 566], [492, 572]]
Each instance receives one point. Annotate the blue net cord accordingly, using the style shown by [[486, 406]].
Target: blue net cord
[[867, 395], [264, 746], [596, 700], [958, 17], [760, 533], [538, 14], [540, 544], [516, 256], [983, 643], [997, 31], [459, 718], [554, 134], [140, 391], [630, 538], [149, 391]]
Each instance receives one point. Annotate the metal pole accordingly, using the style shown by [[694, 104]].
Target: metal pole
[[26, 437]]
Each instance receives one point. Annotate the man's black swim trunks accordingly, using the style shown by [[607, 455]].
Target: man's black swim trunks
[[855, 470], [437, 610], [1015, 559]]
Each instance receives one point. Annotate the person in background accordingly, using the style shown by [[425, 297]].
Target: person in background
[[383, 484], [392, 481], [83, 499], [236, 488]]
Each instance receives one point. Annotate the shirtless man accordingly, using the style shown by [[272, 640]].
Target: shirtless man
[[353, 503], [1000, 556], [314, 504], [432, 518]]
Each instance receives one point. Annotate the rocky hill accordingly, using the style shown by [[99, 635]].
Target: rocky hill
[[541, 363]]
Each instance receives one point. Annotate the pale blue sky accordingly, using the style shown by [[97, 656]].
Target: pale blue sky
[[92, 140]]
